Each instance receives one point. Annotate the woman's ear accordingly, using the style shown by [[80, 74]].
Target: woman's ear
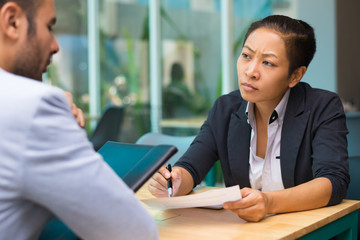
[[296, 76], [11, 19]]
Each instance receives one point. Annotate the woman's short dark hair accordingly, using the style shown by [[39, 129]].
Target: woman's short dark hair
[[29, 7], [298, 36]]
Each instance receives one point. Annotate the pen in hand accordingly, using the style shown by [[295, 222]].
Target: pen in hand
[[170, 189]]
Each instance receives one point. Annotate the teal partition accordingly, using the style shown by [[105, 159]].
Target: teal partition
[[353, 124]]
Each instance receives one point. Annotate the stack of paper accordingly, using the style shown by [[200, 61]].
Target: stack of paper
[[213, 199]]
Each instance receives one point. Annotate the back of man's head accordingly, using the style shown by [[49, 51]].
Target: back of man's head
[[29, 7]]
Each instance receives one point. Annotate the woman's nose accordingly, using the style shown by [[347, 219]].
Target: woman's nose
[[252, 70]]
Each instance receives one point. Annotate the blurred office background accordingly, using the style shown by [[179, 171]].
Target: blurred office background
[[166, 61]]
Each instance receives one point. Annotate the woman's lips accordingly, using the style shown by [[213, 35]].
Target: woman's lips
[[248, 87]]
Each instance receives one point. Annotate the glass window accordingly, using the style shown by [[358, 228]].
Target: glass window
[[191, 63], [191, 43], [69, 70], [190, 58], [124, 59], [124, 64]]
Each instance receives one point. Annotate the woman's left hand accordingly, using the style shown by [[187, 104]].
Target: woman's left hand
[[252, 207]]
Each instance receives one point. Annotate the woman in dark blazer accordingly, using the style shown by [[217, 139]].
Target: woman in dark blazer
[[282, 141]]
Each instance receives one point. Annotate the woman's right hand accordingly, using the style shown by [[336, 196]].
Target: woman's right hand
[[158, 183]]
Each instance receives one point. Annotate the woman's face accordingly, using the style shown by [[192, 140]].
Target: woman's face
[[263, 68]]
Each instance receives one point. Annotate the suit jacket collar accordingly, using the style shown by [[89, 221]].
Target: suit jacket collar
[[239, 134], [238, 146]]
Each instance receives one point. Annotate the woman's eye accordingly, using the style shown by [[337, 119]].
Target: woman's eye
[[268, 64], [244, 55]]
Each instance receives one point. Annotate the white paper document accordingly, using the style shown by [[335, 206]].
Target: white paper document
[[212, 198]]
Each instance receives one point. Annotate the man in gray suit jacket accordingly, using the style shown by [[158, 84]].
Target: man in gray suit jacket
[[47, 165]]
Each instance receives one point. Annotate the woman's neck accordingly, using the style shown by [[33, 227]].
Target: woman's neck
[[263, 112]]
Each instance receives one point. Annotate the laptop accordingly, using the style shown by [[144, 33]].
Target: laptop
[[135, 163]]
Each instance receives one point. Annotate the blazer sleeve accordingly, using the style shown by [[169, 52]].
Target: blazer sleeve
[[62, 173], [211, 143], [329, 146], [202, 153]]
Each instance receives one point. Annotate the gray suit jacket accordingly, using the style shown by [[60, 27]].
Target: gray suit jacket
[[313, 141], [47, 165]]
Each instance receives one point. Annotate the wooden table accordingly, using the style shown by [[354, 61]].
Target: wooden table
[[200, 223]]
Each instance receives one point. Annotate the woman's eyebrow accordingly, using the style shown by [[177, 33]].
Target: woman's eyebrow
[[249, 48], [266, 54], [269, 55]]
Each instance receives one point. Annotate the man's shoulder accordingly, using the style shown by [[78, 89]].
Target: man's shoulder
[[23, 99], [18, 89]]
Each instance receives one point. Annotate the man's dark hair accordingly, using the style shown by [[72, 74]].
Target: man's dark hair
[[29, 7], [298, 36]]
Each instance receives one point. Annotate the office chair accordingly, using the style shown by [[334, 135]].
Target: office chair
[[108, 127], [56, 229]]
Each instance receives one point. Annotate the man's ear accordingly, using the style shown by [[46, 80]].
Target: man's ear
[[296, 76], [11, 19]]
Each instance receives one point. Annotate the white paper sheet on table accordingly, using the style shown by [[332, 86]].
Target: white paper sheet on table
[[212, 198]]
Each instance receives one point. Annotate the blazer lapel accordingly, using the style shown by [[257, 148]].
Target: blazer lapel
[[239, 146], [293, 130]]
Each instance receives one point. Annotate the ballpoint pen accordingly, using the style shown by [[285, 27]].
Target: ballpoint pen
[[170, 189]]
